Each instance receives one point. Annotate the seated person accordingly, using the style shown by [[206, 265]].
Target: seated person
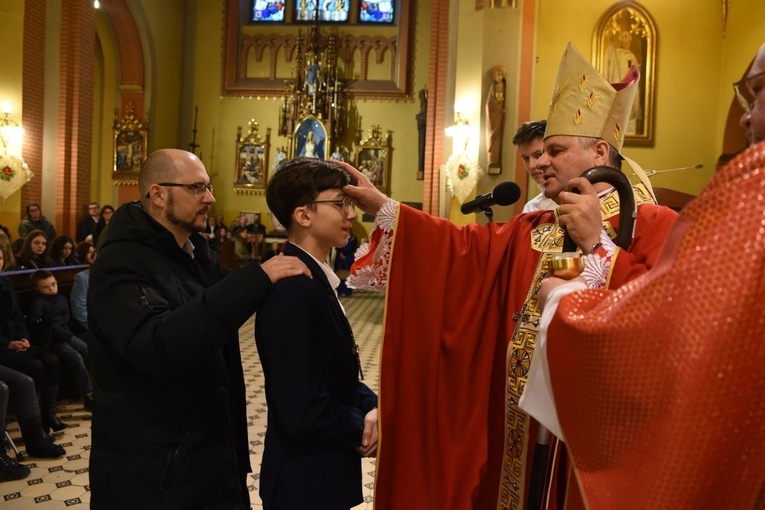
[[37, 442], [259, 247], [7, 252], [48, 306], [33, 252], [242, 247], [222, 234], [62, 253], [344, 258], [273, 250], [20, 352], [86, 253], [321, 418]]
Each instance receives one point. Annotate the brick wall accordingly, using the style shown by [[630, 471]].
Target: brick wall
[[33, 94]]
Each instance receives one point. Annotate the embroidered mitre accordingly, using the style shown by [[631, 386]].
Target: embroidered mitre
[[585, 104]]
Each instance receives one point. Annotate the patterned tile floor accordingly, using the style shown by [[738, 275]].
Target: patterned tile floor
[[63, 483]]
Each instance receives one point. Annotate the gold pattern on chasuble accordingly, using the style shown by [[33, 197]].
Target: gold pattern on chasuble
[[545, 239]]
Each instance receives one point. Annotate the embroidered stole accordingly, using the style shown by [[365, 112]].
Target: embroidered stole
[[546, 239]]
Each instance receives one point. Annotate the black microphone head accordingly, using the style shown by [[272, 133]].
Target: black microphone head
[[506, 193]]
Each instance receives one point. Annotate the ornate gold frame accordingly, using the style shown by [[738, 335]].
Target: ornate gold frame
[[373, 158], [310, 125], [626, 34], [130, 140], [251, 172]]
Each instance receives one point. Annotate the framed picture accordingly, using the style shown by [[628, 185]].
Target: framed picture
[[626, 36], [130, 137], [310, 139], [251, 172], [373, 158]]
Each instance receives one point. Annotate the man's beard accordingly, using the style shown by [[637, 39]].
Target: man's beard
[[188, 226]]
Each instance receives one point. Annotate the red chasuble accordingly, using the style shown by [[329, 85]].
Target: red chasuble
[[454, 295], [660, 386]]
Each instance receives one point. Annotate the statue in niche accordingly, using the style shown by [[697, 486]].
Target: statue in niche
[[311, 77], [422, 124], [495, 118]]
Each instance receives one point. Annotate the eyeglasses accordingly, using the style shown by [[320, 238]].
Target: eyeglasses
[[344, 204], [744, 93], [197, 189]]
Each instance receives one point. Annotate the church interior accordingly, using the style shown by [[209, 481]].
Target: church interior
[[97, 86]]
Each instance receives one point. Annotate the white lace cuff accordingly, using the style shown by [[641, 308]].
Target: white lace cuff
[[597, 264], [370, 271]]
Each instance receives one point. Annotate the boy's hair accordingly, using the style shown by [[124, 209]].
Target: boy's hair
[[82, 250], [298, 182], [40, 275], [529, 131]]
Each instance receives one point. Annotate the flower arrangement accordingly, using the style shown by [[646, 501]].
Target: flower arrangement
[[14, 173], [462, 175]]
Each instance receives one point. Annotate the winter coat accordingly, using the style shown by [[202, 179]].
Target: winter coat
[[28, 224], [53, 310], [169, 418]]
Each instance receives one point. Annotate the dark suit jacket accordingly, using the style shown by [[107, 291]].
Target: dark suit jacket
[[316, 403]]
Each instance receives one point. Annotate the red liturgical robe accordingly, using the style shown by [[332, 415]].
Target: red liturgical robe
[[660, 386], [454, 299]]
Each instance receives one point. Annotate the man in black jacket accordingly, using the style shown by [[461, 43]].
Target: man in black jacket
[[321, 418], [169, 422]]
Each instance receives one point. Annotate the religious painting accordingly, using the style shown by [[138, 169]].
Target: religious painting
[[310, 139], [373, 158], [251, 159], [328, 10], [626, 36], [376, 11], [263, 11], [130, 136]]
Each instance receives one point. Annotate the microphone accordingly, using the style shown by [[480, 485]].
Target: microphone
[[505, 193]]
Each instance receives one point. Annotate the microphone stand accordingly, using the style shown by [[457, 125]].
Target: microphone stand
[[489, 213]]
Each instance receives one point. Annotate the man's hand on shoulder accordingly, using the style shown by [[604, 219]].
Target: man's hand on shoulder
[[283, 266]]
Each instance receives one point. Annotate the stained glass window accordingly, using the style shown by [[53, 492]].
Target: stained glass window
[[376, 11], [263, 10], [329, 10]]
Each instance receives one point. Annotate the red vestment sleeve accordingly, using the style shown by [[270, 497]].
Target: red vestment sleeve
[[443, 361]]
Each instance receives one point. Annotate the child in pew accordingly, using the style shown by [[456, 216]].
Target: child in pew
[[49, 306]]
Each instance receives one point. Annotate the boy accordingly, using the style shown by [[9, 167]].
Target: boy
[[321, 418], [48, 306]]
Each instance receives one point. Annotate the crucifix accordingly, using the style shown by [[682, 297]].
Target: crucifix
[[194, 145]]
